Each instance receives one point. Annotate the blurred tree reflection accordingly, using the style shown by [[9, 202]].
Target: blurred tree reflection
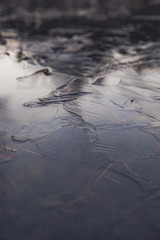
[[72, 4]]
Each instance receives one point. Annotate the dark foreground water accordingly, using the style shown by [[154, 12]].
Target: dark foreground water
[[79, 126]]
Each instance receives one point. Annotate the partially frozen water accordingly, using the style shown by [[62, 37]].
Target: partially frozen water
[[79, 128]]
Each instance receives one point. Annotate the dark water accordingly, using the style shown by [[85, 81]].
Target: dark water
[[80, 122]]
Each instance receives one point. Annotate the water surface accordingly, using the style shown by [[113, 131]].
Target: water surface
[[79, 127]]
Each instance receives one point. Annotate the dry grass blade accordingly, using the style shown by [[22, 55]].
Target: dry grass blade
[[76, 200], [33, 152], [11, 180], [99, 177], [113, 180]]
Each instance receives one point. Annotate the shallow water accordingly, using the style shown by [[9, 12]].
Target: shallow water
[[79, 128]]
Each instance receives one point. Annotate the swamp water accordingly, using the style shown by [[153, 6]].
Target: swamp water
[[79, 128]]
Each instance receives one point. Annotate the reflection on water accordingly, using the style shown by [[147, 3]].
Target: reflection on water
[[79, 129]]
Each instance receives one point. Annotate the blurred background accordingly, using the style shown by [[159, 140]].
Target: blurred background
[[147, 6]]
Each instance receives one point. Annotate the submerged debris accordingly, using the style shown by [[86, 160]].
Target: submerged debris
[[6, 153], [46, 71]]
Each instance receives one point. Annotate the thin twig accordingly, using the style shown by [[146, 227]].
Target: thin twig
[[113, 180], [99, 177], [33, 152]]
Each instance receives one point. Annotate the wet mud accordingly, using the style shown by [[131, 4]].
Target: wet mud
[[79, 125]]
